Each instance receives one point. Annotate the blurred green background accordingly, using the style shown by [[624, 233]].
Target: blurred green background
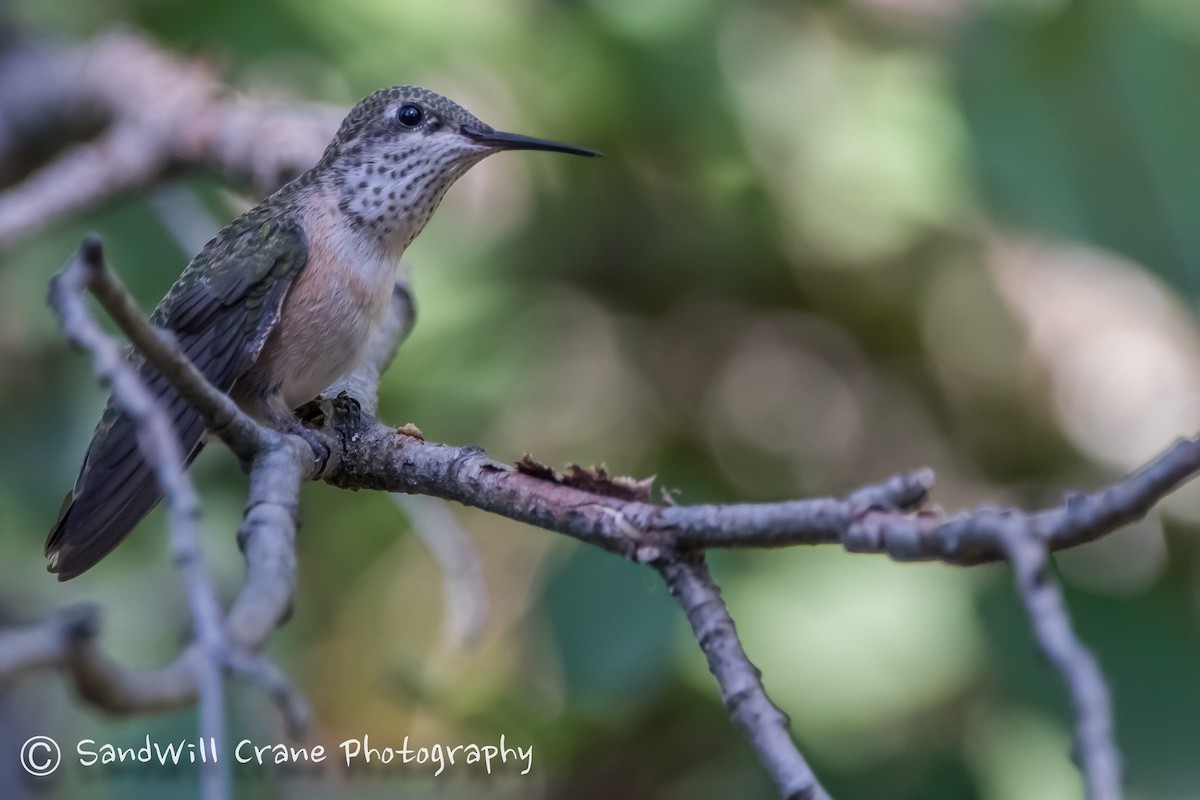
[[828, 241]]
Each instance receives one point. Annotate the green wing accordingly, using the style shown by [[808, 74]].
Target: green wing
[[221, 310]]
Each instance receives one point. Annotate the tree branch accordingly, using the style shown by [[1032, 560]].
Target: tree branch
[[971, 539], [159, 113], [464, 595], [688, 579], [277, 469], [160, 447], [1098, 756]]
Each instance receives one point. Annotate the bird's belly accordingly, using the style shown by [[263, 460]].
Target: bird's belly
[[324, 326], [316, 357]]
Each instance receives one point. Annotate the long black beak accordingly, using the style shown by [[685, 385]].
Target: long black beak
[[515, 141]]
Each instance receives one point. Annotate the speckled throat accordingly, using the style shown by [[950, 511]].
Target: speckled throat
[[389, 190]]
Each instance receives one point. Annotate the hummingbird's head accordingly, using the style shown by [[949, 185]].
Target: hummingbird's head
[[400, 149]]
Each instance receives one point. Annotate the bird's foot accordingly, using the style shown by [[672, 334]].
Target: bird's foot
[[314, 439], [322, 410], [348, 408], [342, 414]]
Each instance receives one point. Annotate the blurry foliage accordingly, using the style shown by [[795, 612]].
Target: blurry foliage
[[1081, 118], [805, 261]]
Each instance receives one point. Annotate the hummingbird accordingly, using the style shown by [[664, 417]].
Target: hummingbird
[[282, 301]]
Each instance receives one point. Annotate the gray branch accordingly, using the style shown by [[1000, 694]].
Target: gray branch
[[160, 447], [968, 539], [1028, 554], [278, 465], [766, 727], [157, 112], [464, 595]]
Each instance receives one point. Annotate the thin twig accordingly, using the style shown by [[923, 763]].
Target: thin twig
[[45, 644], [160, 447], [1081, 518], [816, 521], [1098, 757], [688, 579], [463, 591], [267, 535], [262, 673], [162, 112]]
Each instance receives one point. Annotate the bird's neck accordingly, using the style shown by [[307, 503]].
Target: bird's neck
[[388, 199]]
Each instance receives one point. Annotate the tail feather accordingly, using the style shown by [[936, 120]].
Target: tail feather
[[116, 487]]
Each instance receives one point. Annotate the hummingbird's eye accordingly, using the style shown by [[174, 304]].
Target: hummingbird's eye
[[410, 116]]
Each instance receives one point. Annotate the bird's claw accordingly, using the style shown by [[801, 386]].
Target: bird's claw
[[314, 439], [349, 408]]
